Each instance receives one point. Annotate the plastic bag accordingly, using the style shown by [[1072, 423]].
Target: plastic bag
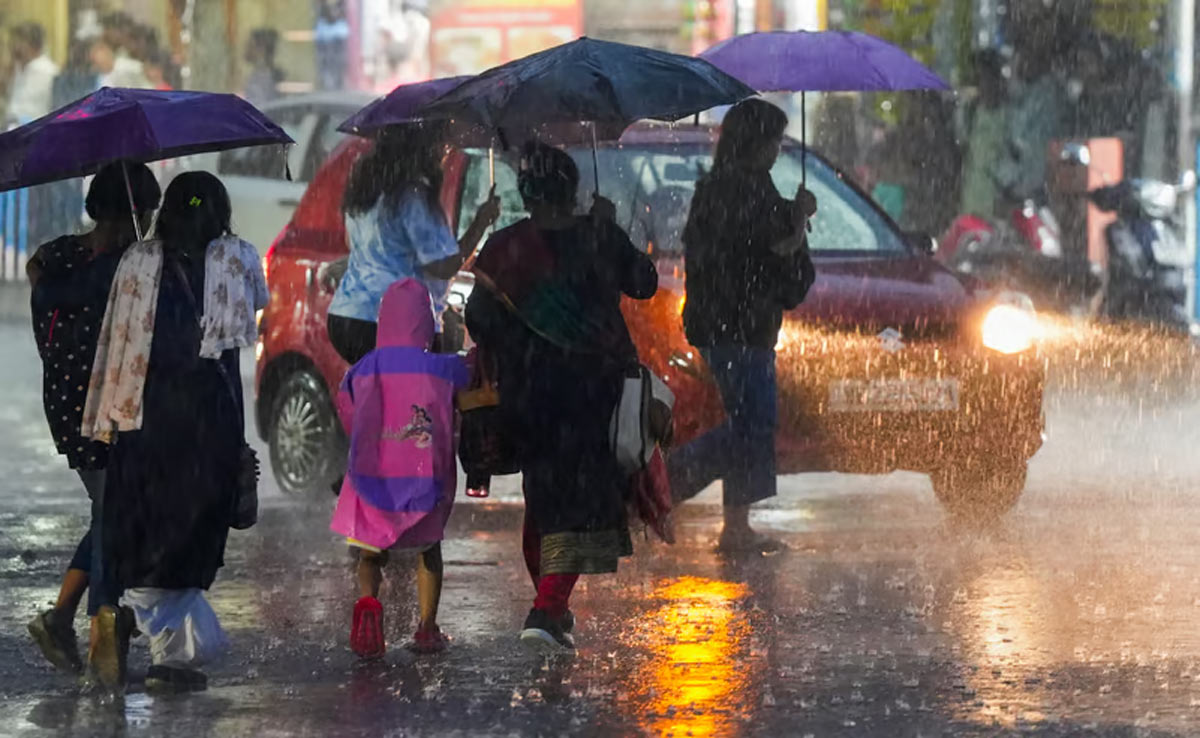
[[183, 628]]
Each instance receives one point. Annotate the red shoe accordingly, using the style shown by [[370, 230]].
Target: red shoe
[[366, 632], [429, 641]]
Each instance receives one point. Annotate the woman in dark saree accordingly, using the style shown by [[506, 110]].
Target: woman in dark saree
[[548, 313]]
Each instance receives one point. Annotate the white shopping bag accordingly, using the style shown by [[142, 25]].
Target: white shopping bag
[[183, 628], [631, 432]]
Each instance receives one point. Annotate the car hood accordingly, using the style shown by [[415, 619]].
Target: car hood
[[910, 293]]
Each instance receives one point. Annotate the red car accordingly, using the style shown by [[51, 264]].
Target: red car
[[893, 362]]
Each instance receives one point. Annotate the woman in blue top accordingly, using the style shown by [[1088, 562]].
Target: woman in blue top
[[397, 229]]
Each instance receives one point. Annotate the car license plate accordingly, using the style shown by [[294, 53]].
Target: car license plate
[[893, 395]]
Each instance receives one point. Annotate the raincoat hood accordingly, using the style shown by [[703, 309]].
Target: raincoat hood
[[405, 316]]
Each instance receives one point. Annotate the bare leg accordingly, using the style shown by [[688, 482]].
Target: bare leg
[[70, 594], [370, 573], [429, 586]]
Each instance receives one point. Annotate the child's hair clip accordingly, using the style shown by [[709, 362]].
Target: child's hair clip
[[195, 202]]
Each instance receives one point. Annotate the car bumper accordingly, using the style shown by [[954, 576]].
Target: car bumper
[[997, 414]]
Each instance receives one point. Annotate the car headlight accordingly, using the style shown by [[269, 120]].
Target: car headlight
[[1010, 327]]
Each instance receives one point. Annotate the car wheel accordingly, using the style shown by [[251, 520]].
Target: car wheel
[[307, 446], [979, 495]]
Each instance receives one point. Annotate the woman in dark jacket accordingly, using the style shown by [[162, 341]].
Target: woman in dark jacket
[[549, 311], [71, 277], [170, 487], [747, 262]]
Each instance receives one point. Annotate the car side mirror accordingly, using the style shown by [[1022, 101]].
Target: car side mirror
[[922, 242]]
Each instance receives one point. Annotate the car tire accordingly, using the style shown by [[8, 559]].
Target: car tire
[[979, 495], [305, 439]]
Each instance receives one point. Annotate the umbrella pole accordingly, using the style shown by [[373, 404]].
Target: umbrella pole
[[491, 166], [137, 223], [803, 142], [595, 161]]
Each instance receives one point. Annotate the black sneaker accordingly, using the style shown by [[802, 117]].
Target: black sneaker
[[172, 680], [545, 635], [55, 636], [568, 622]]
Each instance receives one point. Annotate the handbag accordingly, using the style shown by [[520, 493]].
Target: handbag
[[641, 421], [244, 512], [484, 446]]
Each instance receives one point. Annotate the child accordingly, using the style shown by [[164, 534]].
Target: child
[[397, 405]]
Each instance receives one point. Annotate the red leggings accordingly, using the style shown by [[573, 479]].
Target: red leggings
[[553, 590]]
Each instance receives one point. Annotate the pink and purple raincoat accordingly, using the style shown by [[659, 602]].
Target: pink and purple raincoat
[[397, 406]]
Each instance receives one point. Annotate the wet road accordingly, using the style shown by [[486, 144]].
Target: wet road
[[1077, 616]]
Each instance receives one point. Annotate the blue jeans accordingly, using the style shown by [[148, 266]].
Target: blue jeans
[[88, 555], [741, 452]]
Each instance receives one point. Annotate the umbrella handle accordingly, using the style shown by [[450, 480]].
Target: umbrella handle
[[137, 223], [803, 142], [595, 160]]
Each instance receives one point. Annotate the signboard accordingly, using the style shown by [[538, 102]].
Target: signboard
[[474, 35]]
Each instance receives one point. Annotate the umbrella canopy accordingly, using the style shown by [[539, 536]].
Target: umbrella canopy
[[605, 83], [398, 106], [820, 61], [118, 124]]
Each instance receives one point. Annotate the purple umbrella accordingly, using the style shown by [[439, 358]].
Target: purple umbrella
[[118, 124], [820, 61], [398, 106]]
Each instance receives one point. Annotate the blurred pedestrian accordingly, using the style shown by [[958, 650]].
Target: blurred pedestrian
[[747, 255], [548, 309], [158, 69], [32, 86], [262, 82], [77, 79], [166, 392], [397, 405], [986, 137], [111, 55], [32, 96], [331, 36], [398, 229], [1036, 116], [71, 277]]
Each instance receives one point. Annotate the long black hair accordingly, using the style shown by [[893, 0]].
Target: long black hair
[[195, 210], [402, 155], [748, 127]]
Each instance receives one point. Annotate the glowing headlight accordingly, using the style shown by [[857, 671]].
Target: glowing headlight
[[1009, 329]]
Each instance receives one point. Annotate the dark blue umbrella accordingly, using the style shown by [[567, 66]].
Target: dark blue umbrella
[[607, 84], [587, 80], [118, 124]]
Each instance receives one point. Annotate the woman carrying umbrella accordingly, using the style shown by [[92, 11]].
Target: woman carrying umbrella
[[397, 230], [550, 314], [71, 277], [167, 389], [747, 262]]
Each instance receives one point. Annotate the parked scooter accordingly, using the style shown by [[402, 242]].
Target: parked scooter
[[1147, 255], [1023, 253]]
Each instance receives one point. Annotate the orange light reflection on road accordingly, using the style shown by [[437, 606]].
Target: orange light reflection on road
[[695, 682]]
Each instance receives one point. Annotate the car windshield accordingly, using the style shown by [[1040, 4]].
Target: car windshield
[[652, 187]]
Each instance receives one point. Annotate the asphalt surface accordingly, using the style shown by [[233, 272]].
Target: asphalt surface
[[1076, 616]]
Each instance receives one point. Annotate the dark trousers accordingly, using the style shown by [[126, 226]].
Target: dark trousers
[[87, 554], [351, 338], [741, 451]]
